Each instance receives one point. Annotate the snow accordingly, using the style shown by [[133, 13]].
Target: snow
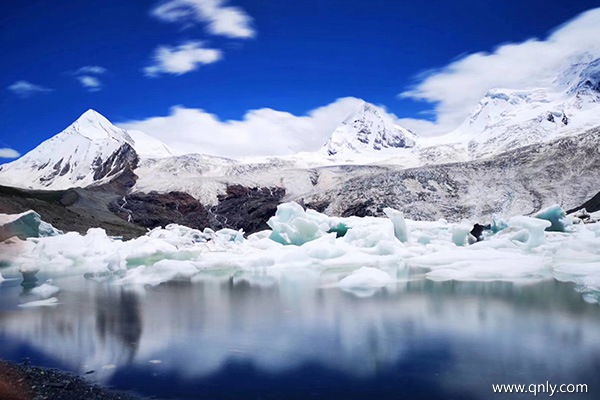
[[369, 255], [72, 157], [368, 130], [148, 146]]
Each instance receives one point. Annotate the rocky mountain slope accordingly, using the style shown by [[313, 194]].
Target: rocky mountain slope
[[519, 151], [522, 181]]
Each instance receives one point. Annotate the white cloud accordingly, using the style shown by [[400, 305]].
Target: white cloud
[[261, 132], [456, 88], [87, 76], [220, 19], [90, 69], [8, 153], [91, 83], [27, 89], [181, 59]]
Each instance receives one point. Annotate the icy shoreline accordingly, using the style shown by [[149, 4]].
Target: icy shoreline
[[369, 252]]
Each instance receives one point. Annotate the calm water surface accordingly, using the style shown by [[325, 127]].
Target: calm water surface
[[291, 335]]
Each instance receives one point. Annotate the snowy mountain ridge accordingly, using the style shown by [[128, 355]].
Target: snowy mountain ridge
[[368, 130], [506, 119], [90, 151]]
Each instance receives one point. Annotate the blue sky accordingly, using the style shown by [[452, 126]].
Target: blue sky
[[225, 58]]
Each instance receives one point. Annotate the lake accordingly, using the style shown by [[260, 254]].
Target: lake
[[290, 334]]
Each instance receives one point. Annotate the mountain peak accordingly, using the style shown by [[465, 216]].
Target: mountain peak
[[368, 129], [94, 126]]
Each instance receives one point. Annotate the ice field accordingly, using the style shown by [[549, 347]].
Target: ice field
[[367, 253]]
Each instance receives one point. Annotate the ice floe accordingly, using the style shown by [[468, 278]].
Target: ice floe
[[363, 250]]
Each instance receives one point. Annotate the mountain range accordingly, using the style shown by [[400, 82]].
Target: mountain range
[[518, 151]]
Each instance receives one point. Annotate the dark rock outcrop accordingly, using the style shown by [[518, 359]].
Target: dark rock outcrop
[[239, 208], [246, 208], [592, 205], [69, 210], [154, 209], [123, 158]]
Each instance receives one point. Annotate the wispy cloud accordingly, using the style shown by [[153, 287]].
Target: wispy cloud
[[27, 89], [88, 77], [8, 153], [456, 88], [90, 69], [181, 59], [220, 19], [259, 133], [91, 83]]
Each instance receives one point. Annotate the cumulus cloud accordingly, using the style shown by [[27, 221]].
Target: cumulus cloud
[[8, 153], [181, 59], [261, 132], [219, 18], [456, 88], [27, 89]]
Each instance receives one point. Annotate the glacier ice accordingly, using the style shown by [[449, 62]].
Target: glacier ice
[[535, 228], [461, 234], [368, 255], [45, 291], [366, 277], [557, 217], [24, 225], [291, 224], [400, 229]]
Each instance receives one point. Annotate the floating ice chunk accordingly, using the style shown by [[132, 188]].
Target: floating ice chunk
[[366, 277], [142, 248], [482, 264], [292, 225], [534, 226], [498, 224], [114, 262], [45, 291], [160, 272], [400, 229], [52, 301], [324, 248], [461, 234], [24, 225], [1, 277], [557, 217]]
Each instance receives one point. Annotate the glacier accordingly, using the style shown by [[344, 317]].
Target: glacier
[[24, 225], [372, 254]]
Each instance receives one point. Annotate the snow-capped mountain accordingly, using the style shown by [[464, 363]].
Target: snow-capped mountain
[[507, 119], [368, 130], [90, 151]]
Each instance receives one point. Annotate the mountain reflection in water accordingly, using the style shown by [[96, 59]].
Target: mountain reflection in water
[[251, 334]]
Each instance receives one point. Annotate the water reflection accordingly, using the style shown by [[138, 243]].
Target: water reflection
[[460, 337]]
